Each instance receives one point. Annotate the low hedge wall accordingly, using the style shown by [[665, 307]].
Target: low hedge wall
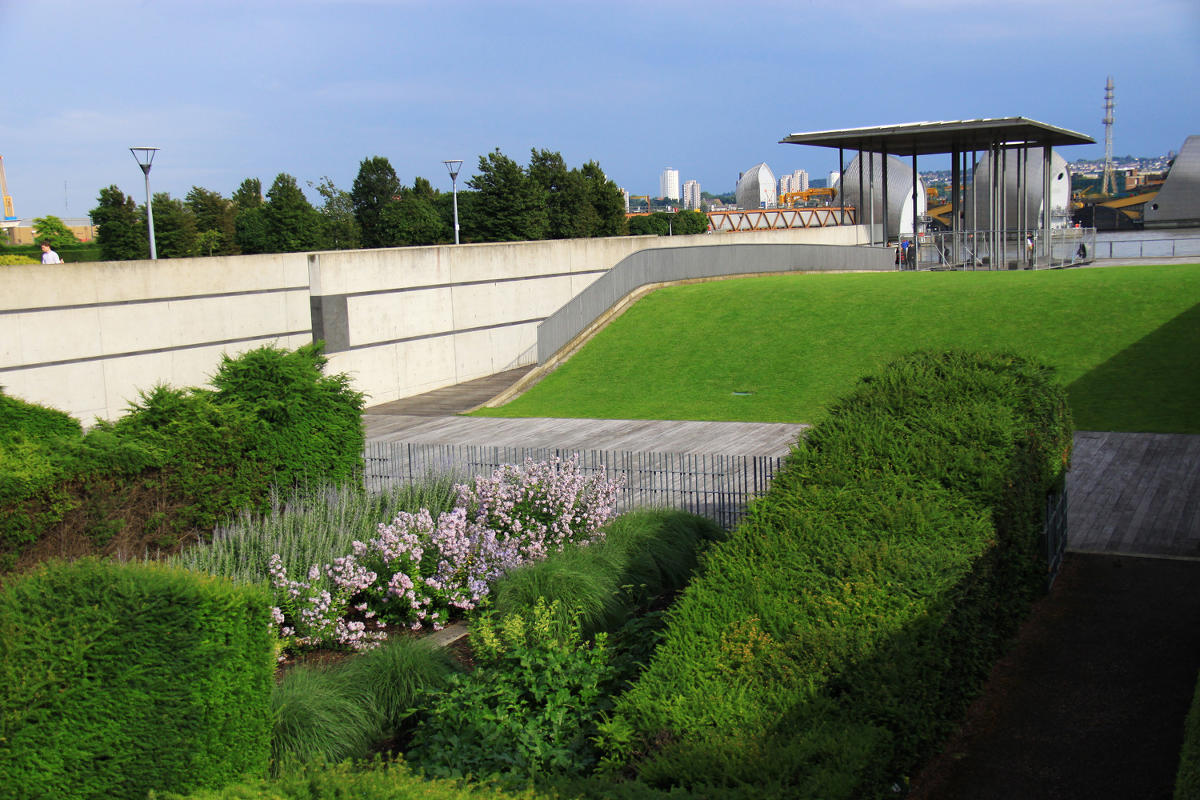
[[123, 678], [834, 640], [1187, 781]]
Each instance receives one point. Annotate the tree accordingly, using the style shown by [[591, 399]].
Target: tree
[[291, 223], [509, 206], [656, 224], [569, 214], [375, 187], [249, 222], [248, 195], [686, 222], [214, 216], [339, 228], [53, 231], [174, 228], [121, 230], [607, 200], [415, 218]]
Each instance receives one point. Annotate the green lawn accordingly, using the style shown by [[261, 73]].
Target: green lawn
[[1126, 341]]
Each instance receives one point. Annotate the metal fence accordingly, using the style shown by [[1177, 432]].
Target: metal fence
[[716, 486], [1148, 248], [975, 250]]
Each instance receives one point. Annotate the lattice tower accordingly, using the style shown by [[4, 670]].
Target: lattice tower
[[1108, 184]]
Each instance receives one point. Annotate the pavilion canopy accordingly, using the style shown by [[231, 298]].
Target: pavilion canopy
[[927, 138]]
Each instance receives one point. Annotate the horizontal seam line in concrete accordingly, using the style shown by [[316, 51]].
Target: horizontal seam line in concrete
[[441, 333], [430, 286], [153, 351], [145, 301]]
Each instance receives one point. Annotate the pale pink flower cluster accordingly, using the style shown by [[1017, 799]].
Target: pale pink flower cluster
[[419, 572], [309, 614], [544, 504]]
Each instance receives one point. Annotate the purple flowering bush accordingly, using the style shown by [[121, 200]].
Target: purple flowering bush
[[418, 571]]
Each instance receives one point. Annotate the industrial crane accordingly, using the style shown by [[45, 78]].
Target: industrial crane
[[787, 198], [9, 214]]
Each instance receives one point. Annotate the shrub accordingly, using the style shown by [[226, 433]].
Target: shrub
[[836, 636], [375, 781], [397, 676], [530, 707], [122, 678], [1187, 781]]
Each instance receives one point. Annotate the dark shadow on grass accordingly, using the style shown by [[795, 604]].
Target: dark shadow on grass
[[1152, 386]]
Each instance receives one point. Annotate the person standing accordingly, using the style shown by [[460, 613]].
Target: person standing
[[48, 255]]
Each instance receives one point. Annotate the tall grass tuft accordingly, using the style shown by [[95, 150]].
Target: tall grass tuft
[[585, 581], [312, 525], [395, 676], [320, 717]]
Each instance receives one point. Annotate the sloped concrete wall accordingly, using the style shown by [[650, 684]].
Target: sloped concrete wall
[[87, 338]]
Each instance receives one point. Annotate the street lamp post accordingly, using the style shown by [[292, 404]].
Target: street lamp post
[[144, 157], [454, 165]]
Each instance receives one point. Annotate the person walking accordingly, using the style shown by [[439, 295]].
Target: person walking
[[48, 255]]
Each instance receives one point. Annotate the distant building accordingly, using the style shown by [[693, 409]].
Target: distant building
[[691, 195], [21, 231], [834, 177], [668, 184], [756, 188], [800, 181], [785, 184], [625, 194]]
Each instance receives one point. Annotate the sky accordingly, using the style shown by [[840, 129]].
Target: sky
[[253, 88]]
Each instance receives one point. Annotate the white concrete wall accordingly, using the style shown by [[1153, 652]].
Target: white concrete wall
[[87, 337]]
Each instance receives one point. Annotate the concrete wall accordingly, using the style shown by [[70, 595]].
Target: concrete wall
[[86, 338]]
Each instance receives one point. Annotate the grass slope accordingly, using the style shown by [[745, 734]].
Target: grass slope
[[1126, 340]]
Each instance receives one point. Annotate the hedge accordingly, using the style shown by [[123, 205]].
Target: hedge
[[182, 459], [1187, 780], [123, 678], [834, 640]]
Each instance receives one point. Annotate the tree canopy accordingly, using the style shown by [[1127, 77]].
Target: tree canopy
[[53, 231], [375, 187], [121, 228]]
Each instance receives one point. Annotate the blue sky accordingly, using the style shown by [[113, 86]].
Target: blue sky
[[252, 88]]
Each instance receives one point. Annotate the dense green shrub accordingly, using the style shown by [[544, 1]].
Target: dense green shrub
[[181, 460], [376, 781], [122, 678], [273, 419], [531, 706], [1187, 781], [834, 639]]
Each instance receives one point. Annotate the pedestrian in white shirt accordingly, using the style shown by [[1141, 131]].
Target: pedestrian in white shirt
[[49, 256]]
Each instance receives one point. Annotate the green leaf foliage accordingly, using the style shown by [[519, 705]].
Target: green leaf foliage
[[118, 679], [1187, 780], [832, 642]]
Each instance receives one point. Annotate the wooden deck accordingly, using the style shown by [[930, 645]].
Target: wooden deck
[[1135, 494]]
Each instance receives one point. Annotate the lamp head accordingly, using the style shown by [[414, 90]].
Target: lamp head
[[144, 157], [453, 165]]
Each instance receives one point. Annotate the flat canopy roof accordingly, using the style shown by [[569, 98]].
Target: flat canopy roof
[[926, 138]]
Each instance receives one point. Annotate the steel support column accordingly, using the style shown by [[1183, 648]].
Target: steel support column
[[885, 196]]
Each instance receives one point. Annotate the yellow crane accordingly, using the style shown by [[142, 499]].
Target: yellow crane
[[9, 214], [804, 195]]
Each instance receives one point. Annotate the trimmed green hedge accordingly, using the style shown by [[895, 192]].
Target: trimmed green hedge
[[122, 678], [834, 640], [1187, 781], [193, 456]]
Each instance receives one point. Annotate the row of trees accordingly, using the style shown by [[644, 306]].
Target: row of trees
[[503, 202]]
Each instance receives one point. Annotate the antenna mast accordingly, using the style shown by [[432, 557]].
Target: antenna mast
[[1108, 184]]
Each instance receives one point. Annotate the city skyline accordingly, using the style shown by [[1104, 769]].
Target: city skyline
[[230, 90]]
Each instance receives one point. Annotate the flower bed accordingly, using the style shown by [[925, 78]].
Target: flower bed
[[419, 571]]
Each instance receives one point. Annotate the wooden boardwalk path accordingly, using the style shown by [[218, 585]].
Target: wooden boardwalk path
[[1135, 494]]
